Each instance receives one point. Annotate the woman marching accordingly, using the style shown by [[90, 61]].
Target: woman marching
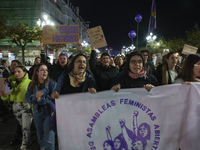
[[134, 75], [21, 109], [77, 79], [38, 94], [190, 71]]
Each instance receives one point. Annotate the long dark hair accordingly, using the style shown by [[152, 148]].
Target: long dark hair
[[186, 72], [110, 143], [71, 65], [35, 81], [58, 63], [136, 53]]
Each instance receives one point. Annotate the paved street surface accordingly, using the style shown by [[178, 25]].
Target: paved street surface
[[7, 130]]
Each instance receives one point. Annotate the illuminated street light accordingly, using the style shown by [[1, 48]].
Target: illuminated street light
[[48, 22], [45, 17], [52, 23], [45, 20], [39, 22], [85, 44], [132, 47], [151, 38], [123, 52]]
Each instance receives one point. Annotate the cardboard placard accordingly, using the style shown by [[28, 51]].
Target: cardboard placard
[[60, 34], [97, 37], [2, 88], [187, 49]]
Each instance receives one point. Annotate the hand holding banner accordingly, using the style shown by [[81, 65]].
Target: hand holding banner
[[139, 119]]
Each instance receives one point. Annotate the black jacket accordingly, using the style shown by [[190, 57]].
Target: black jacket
[[102, 74], [127, 82]]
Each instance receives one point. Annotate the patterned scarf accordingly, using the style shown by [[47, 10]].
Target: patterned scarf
[[136, 75], [76, 80]]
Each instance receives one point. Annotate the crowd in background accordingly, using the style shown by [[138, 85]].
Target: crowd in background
[[34, 91]]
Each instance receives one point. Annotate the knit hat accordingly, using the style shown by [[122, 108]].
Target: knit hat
[[63, 54]]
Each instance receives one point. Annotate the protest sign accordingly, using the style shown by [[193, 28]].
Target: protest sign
[[97, 37], [2, 84], [60, 34], [137, 118], [187, 49]]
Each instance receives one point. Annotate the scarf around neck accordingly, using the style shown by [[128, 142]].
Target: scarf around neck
[[137, 75], [76, 80]]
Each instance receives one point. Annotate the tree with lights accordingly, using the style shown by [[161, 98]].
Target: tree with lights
[[22, 34]]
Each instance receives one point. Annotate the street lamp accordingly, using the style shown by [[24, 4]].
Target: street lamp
[[109, 50], [123, 52], [45, 20], [85, 44], [151, 38], [132, 47]]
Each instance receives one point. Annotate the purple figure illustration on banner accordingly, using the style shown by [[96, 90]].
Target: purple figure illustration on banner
[[128, 139]]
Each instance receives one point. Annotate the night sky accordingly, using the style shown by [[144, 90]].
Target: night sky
[[117, 18]]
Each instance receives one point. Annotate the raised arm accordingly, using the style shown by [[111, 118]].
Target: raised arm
[[109, 137], [92, 61], [135, 123], [125, 134]]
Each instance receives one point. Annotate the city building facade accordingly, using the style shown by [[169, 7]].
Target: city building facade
[[38, 13]]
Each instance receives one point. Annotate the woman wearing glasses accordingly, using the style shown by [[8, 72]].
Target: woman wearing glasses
[[134, 75], [190, 71], [39, 94], [77, 79]]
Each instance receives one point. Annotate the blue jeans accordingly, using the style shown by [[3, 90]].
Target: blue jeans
[[46, 136]]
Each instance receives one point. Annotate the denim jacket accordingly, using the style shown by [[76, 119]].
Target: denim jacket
[[45, 99], [88, 83]]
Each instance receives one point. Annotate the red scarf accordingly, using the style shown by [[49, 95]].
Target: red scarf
[[136, 75]]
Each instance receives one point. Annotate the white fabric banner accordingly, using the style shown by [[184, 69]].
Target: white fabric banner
[[166, 118]]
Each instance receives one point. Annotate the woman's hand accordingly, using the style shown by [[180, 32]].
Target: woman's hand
[[93, 48], [116, 87], [92, 90], [2, 93], [186, 82], [38, 95], [122, 123], [196, 80], [148, 87], [135, 113], [2, 70], [55, 95]]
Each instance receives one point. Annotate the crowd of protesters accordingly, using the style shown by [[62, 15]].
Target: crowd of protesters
[[35, 90]]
